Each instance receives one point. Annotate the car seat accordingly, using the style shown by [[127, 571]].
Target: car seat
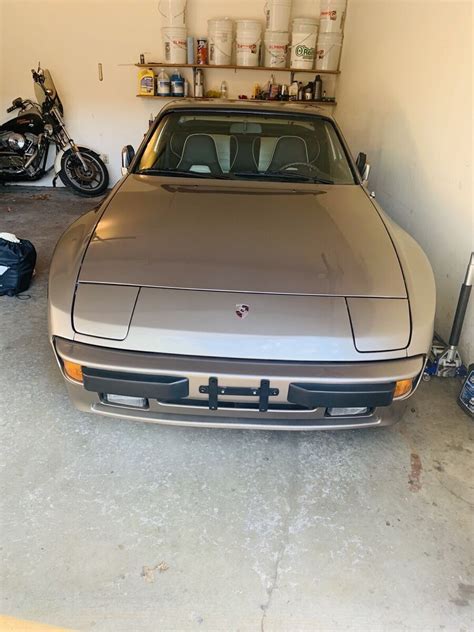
[[200, 155], [244, 151], [288, 149]]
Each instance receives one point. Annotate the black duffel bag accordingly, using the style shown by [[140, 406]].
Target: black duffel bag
[[17, 264]]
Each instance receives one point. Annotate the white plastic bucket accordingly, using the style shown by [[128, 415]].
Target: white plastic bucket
[[331, 19], [276, 48], [174, 39], [303, 43], [277, 15], [328, 51], [247, 42], [173, 12], [220, 33]]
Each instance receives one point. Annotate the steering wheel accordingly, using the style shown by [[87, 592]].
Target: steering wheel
[[308, 165]]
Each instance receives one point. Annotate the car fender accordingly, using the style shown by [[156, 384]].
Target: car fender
[[420, 285], [65, 267]]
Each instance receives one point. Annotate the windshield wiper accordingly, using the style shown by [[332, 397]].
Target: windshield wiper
[[281, 175], [180, 173], [271, 175], [295, 174]]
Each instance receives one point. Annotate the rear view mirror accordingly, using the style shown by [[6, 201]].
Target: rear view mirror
[[128, 154], [363, 167]]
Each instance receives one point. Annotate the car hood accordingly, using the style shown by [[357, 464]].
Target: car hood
[[244, 237]]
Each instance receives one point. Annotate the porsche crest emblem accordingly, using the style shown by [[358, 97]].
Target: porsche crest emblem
[[242, 310]]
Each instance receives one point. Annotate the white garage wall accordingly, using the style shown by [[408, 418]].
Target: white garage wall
[[405, 98]]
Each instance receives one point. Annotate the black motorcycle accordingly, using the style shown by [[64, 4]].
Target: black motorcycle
[[25, 143]]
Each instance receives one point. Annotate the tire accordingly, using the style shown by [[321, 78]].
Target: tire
[[90, 183]]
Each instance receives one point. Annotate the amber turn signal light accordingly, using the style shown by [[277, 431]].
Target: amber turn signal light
[[402, 387], [73, 370]]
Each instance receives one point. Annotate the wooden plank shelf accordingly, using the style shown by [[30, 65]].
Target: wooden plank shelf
[[156, 96], [156, 64]]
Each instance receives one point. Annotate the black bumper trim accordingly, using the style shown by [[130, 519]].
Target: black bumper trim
[[341, 395], [162, 387]]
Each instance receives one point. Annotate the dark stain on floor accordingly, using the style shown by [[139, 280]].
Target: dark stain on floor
[[465, 595], [414, 481]]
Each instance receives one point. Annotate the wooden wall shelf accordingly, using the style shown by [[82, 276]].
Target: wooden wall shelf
[[155, 96], [156, 64]]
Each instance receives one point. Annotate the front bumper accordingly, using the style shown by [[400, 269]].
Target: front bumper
[[247, 394]]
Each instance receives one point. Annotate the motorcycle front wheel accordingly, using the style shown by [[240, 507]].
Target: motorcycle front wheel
[[90, 181]]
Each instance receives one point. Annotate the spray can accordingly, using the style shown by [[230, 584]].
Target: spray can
[[202, 49], [318, 88], [199, 83]]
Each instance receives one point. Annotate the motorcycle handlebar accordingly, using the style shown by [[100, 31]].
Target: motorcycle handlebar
[[11, 108]]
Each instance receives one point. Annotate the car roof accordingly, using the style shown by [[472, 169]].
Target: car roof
[[252, 105]]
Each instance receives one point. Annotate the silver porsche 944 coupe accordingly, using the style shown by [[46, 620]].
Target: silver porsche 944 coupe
[[240, 275]]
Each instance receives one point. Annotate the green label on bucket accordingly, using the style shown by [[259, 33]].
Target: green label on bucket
[[304, 52]]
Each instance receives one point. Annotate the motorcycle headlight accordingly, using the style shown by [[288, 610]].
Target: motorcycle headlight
[[48, 128], [16, 141]]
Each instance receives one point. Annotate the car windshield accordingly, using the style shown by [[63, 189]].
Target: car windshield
[[247, 146]]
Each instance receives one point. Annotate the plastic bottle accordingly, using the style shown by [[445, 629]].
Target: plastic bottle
[[163, 87], [146, 81], [177, 84], [224, 90]]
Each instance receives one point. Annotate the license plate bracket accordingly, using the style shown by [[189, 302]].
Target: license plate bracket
[[263, 392]]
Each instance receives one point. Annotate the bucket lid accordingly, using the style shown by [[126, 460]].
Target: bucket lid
[[177, 30], [220, 24], [220, 20], [312, 21], [334, 36], [277, 34], [249, 24]]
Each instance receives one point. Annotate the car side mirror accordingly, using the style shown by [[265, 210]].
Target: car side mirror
[[365, 175], [128, 154], [363, 167]]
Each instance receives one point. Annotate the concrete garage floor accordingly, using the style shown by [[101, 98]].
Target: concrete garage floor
[[118, 526]]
